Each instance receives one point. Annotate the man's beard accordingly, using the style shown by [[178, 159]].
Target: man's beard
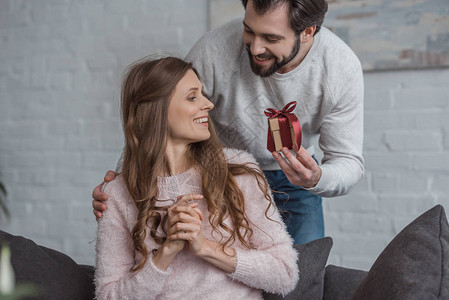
[[262, 71]]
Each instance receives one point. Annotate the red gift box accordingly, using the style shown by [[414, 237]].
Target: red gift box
[[284, 128]]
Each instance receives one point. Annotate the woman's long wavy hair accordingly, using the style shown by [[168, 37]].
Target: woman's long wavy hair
[[146, 92]]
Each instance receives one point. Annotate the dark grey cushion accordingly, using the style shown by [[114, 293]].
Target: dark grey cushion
[[312, 259], [55, 273], [340, 283], [414, 265]]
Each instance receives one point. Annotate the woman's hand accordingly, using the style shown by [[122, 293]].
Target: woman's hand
[[184, 222], [175, 214]]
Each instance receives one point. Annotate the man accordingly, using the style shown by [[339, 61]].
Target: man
[[285, 55]]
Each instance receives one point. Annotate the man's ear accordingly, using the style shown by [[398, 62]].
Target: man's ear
[[307, 34]]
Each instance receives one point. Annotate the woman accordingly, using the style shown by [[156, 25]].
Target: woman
[[186, 219]]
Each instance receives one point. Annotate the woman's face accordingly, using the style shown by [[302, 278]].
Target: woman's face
[[188, 112]]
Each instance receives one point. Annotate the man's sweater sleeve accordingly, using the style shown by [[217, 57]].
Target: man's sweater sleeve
[[272, 264], [115, 255], [341, 135]]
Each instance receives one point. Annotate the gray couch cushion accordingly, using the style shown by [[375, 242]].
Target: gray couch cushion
[[312, 258], [340, 283], [414, 265], [56, 273]]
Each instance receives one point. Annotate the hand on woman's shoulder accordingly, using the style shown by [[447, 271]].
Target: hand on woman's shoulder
[[117, 189]]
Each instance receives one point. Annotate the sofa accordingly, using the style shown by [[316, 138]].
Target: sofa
[[414, 265]]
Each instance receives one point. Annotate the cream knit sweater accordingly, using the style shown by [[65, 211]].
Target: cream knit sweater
[[270, 266]]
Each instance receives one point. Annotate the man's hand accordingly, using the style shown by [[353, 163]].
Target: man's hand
[[301, 170], [98, 203]]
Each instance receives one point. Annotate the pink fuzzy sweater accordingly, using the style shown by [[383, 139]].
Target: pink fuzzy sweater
[[270, 265]]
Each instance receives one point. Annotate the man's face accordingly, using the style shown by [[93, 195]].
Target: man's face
[[271, 43]]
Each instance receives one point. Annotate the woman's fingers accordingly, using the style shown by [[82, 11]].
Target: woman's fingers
[[198, 212], [191, 211], [183, 217], [184, 227], [187, 198]]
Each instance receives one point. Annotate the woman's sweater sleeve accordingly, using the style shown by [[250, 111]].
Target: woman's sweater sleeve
[[115, 254], [272, 264]]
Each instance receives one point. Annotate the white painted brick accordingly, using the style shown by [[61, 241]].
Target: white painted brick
[[12, 18], [60, 81], [32, 194], [32, 226], [64, 128], [421, 98], [431, 161], [440, 184], [102, 61], [425, 78], [375, 141], [62, 62], [100, 160], [39, 80], [5, 6], [382, 120], [368, 245], [76, 143], [91, 177], [81, 212], [101, 128], [386, 81], [21, 146], [105, 23], [401, 221], [378, 100], [406, 140], [20, 210], [355, 202], [37, 177], [366, 223], [82, 250], [87, 10], [433, 120], [405, 204], [120, 8], [415, 182], [381, 161], [385, 183], [51, 14]]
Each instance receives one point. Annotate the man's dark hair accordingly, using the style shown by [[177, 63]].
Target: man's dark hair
[[302, 13]]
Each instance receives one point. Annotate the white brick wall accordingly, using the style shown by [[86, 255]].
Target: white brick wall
[[407, 164], [60, 69]]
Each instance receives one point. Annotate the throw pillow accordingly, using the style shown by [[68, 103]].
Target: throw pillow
[[56, 273], [312, 259], [414, 265], [340, 283]]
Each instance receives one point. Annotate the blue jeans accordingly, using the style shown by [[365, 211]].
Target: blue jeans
[[301, 210]]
